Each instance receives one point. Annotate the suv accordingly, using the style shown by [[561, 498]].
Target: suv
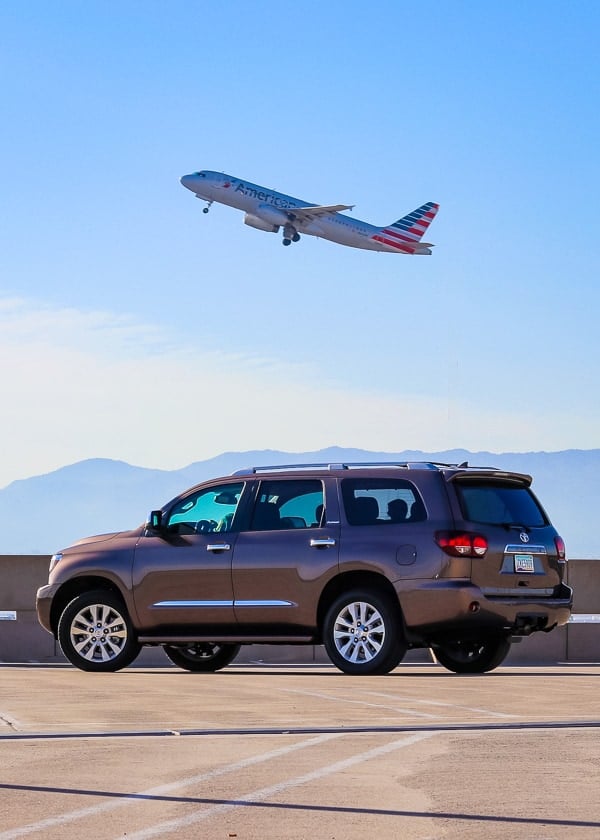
[[367, 559]]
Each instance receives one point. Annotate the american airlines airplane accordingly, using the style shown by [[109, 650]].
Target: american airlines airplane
[[268, 210]]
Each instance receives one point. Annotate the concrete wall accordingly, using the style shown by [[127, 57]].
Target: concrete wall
[[582, 641], [24, 640]]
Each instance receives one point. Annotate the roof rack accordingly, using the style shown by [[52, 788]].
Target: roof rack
[[405, 465]]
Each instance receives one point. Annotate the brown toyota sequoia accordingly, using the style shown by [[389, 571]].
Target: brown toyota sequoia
[[367, 559]]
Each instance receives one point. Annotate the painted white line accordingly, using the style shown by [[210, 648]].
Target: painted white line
[[161, 790], [12, 722], [470, 709], [445, 705], [160, 829], [340, 700]]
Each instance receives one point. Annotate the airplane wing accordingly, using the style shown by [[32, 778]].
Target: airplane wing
[[310, 212]]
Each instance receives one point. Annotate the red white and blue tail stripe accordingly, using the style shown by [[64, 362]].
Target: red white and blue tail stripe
[[405, 234]]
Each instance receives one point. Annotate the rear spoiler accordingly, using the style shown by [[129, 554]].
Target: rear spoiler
[[477, 473]]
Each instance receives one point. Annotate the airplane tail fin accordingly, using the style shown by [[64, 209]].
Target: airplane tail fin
[[406, 233]]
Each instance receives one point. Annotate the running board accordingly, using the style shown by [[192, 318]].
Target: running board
[[226, 640]]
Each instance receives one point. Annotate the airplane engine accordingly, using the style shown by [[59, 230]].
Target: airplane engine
[[272, 214], [260, 224]]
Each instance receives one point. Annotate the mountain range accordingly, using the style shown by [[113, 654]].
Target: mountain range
[[45, 513]]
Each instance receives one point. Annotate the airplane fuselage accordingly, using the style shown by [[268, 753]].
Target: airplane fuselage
[[269, 210]]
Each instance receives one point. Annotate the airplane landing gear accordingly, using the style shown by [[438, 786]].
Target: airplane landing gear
[[207, 208], [290, 234]]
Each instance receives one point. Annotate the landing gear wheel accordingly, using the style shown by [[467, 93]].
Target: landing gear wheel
[[202, 656], [362, 633], [96, 634], [473, 657], [205, 209], [290, 234]]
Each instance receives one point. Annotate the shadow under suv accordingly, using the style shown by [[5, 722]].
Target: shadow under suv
[[367, 559]]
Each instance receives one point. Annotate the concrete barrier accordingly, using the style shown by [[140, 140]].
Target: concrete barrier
[[583, 631], [22, 639]]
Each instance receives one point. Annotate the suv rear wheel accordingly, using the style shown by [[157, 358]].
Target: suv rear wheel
[[96, 634], [362, 633], [202, 656], [473, 657]]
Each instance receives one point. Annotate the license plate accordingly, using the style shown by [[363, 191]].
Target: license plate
[[524, 563]]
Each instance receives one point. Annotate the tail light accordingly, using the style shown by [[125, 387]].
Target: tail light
[[461, 543], [560, 549]]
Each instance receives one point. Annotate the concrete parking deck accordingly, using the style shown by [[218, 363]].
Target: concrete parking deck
[[300, 752]]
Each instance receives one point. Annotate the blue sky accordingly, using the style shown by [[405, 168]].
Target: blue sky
[[133, 326]]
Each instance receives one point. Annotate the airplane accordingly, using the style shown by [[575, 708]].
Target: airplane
[[268, 210]]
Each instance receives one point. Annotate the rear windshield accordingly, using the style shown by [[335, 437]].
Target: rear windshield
[[494, 503]]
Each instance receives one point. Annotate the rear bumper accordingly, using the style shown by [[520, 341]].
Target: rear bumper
[[457, 608]]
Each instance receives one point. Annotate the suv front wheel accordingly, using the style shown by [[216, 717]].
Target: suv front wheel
[[96, 634], [473, 657], [362, 633]]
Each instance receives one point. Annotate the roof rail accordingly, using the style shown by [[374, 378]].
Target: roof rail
[[406, 465], [282, 467]]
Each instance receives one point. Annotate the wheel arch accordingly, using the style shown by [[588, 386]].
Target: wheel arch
[[76, 586], [369, 581]]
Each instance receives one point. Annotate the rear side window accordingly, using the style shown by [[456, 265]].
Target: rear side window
[[288, 503], [495, 503], [381, 501]]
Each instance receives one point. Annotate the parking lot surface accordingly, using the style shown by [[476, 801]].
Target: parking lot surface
[[277, 752]]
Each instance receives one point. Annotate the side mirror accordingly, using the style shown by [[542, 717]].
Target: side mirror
[[154, 521]]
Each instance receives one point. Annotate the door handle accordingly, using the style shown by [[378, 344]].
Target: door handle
[[322, 543], [218, 547]]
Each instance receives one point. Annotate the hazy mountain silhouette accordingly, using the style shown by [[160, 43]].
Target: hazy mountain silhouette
[[42, 514]]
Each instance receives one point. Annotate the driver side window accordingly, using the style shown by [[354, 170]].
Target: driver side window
[[206, 512]]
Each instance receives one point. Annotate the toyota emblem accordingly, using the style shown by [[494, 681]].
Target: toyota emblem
[[524, 537]]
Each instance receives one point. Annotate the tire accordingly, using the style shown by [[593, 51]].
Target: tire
[[473, 657], [202, 656], [96, 633], [362, 633]]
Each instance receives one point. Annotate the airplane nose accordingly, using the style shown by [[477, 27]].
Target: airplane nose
[[188, 181]]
